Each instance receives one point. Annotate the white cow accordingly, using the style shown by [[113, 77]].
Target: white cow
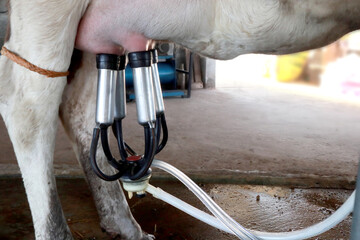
[[45, 32]]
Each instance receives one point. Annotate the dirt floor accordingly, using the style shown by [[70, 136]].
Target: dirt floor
[[262, 208]]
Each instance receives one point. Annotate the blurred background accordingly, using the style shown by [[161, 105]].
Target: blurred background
[[333, 69]]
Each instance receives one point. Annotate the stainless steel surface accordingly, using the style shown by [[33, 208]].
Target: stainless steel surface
[[159, 102], [120, 96], [355, 229], [105, 100], [144, 95]]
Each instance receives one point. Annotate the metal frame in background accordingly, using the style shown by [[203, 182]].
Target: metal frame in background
[[174, 59], [355, 227], [189, 73]]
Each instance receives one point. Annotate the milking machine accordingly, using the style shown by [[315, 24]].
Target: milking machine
[[111, 110], [175, 70], [134, 170]]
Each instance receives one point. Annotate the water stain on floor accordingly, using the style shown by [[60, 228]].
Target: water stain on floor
[[262, 208]]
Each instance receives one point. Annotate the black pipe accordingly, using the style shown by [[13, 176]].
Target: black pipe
[[164, 128], [129, 150], [190, 79], [117, 130], [93, 162], [148, 137], [158, 129], [106, 149], [150, 148]]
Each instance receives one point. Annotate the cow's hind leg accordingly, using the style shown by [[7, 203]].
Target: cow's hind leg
[[42, 32], [77, 113]]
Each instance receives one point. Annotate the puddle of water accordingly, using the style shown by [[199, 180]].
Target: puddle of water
[[258, 207], [279, 209]]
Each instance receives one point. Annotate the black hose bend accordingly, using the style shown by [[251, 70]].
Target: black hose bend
[[164, 129], [93, 162], [106, 148], [150, 148], [158, 129]]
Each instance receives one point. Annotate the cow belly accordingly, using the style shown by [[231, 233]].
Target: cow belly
[[100, 32], [221, 29]]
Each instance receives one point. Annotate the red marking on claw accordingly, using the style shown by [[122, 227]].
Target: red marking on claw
[[133, 158]]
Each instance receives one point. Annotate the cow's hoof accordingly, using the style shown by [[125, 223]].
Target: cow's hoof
[[116, 236], [148, 237], [144, 237]]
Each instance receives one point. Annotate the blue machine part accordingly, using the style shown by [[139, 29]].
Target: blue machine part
[[166, 94], [167, 72]]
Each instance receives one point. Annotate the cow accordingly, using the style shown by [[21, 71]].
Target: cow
[[45, 33]]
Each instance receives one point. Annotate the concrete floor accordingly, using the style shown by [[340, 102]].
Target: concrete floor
[[258, 133]]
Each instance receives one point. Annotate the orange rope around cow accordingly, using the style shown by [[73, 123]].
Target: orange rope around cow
[[19, 60]]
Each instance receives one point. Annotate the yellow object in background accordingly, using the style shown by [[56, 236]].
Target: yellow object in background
[[290, 67]]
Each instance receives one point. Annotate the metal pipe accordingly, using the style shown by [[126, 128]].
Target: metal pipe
[[355, 228], [159, 102], [140, 63], [105, 99], [107, 65], [190, 77], [120, 92], [144, 95]]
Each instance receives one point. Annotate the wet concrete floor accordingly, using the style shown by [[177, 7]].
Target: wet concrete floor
[[258, 207]]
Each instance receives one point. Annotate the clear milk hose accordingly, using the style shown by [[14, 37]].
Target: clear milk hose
[[224, 222]]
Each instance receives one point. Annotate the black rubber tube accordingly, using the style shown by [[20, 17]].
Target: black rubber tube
[[93, 162], [165, 134], [148, 136], [106, 149], [117, 130], [140, 168], [129, 150], [158, 129], [150, 148]]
